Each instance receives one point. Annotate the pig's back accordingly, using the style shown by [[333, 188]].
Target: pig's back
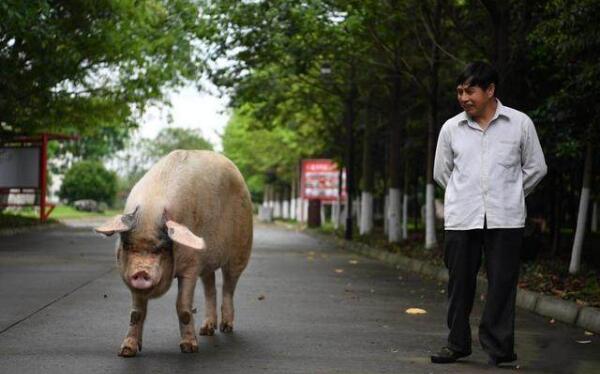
[[206, 192]]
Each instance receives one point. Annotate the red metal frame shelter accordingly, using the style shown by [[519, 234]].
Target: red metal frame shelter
[[40, 142]]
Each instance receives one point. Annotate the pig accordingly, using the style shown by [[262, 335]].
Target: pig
[[188, 216]]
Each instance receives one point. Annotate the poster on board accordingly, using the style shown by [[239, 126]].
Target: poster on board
[[19, 167], [320, 180]]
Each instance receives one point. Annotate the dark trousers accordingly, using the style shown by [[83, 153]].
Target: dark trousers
[[462, 256]]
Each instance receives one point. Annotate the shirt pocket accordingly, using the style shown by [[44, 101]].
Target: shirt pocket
[[508, 154]]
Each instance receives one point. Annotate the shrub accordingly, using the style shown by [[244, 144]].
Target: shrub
[[89, 180]]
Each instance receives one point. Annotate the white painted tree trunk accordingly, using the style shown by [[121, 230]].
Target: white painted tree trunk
[[299, 205], [366, 216], [265, 202], [405, 216], [580, 231], [293, 208], [594, 217], [386, 204], [322, 212], [305, 210], [335, 212], [286, 209], [394, 216], [277, 206], [584, 202], [430, 237]]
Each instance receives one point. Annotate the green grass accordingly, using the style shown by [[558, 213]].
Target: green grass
[[11, 220], [65, 211]]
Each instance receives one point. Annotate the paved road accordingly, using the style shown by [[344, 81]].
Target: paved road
[[63, 309]]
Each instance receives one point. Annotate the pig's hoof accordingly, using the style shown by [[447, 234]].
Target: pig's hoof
[[129, 348], [188, 346], [226, 327], [208, 328]]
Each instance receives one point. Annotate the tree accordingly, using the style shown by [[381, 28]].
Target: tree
[[172, 138], [569, 39], [89, 180], [91, 67]]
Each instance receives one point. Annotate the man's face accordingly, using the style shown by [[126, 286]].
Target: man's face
[[473, 99]]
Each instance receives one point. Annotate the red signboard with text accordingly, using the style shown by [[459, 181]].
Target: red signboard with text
[[320, 180]]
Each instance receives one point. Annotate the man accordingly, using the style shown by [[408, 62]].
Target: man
[[488, 158]]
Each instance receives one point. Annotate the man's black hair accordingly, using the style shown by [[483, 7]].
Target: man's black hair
[[479, 74]]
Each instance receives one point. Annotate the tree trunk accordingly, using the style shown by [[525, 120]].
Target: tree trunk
[[285, 207], [386, 209], [499, 12], [265, 202], [584, 200], [350, 153], [366, 216], [394, 190], [293, 199], [430, 237], [594, 227], [395, 164], [557, 220], [405, 201], [277, 202]]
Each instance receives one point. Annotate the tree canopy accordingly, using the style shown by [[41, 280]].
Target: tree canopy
[[91, 67]]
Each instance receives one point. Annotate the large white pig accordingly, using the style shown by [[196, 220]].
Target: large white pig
[[190, 215]]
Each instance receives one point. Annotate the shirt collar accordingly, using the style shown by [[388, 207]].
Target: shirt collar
[[500, 111]]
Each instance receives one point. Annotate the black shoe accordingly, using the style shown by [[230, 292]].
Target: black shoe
[[497, 361], [447, 356]]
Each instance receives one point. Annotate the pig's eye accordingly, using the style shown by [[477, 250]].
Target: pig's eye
[[158, 250]]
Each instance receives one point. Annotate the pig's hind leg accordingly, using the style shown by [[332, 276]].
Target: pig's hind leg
[[185, 299], [230, 279], [133, 341], [210, 305]]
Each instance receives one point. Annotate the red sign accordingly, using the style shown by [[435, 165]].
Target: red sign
[[320, 180]]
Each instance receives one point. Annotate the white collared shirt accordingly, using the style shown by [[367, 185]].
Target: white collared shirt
[[487, 173]]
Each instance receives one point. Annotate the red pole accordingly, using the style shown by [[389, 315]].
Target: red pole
[[43, 177]]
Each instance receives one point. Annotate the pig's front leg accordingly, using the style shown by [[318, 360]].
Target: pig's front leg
[[133, 341], [185, 299]]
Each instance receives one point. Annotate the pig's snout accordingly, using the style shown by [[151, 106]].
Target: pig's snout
[[141, 280]]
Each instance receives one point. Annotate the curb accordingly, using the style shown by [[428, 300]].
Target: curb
[[565, 311]]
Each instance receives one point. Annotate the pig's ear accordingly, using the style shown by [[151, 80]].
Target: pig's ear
[[120, 223], [182, 235]]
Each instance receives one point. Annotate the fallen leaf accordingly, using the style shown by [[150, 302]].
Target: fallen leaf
[[311, 253], [261, 297], [353, 262], [588, 333], [339, 271], [583, 341], [415, 311], [442, 291], [310, 258], [552, 321]]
